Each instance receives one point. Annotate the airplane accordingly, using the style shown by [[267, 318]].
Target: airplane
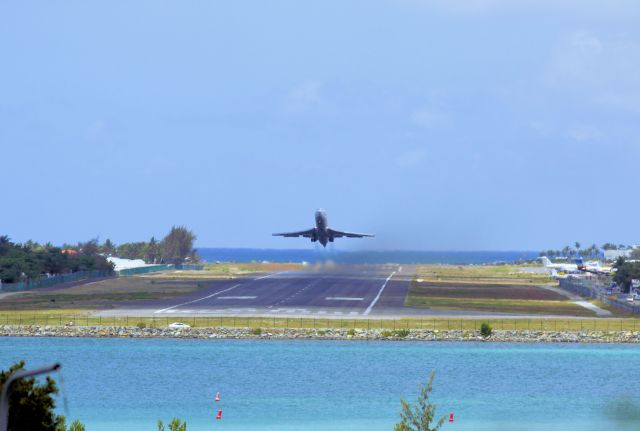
[[559, 267], [593, 267], [322, 232]]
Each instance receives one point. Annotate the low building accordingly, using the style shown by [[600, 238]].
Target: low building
[[615, 254], [120, 264]]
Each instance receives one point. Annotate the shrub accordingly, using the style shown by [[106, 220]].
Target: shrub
[[386, 334], [256, 331], [175, 425], [401, 333], [485, 329], [76, 426], [141, 325], [351, 332], [419, 416]]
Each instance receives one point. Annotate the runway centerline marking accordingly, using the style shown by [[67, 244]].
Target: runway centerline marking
[[373, 303], [299, 291], [269, 275], [342, 298], [196, 300]]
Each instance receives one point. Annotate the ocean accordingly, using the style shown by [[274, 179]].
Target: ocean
[[124, 384], [319, 254]]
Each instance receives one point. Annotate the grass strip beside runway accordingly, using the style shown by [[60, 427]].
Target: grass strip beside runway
[[490, 274], [80, 318], [562, 308]]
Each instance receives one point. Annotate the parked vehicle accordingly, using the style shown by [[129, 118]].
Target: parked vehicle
[[178, 325]]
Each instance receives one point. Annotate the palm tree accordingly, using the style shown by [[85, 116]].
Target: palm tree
[[5, 243]]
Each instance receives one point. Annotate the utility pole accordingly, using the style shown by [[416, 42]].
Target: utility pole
[[4, 398]]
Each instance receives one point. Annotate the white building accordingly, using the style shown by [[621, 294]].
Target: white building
[[614, 254], [119, 263]]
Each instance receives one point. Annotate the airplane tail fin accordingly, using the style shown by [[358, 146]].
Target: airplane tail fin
[[545, 261]]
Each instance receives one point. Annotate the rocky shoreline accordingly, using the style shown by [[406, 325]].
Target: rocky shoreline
[[318, 334]]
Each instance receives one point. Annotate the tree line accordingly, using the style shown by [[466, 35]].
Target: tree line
[[31, 260], [593, 251], [176, 247]]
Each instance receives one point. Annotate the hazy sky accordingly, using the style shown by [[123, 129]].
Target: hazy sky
[[485, 124]]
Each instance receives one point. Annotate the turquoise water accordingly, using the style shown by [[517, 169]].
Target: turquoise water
[[123, 384]]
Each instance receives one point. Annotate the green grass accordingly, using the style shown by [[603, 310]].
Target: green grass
[[82, 318], [493, 274], [522, 306], [250, 267], [101, 294]]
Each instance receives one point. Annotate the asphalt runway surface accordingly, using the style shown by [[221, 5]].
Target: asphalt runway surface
[[358, 291]]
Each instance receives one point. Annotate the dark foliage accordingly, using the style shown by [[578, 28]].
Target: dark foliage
[[626, 272], [485, 329], [31, 404], [30, 261]]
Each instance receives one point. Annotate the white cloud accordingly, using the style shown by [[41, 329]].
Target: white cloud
[[603, 72], [586, 43], [585, 133], [430, 118], [411, 158], [303, 96]]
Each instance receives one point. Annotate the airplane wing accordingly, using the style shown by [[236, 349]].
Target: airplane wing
[[339, 234], [305, 233]]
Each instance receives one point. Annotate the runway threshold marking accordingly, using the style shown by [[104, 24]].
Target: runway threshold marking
[[342, 298], [237, 297], [196, 300], [375, 300]]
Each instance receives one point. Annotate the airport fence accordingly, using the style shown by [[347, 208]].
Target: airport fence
[[542, 324], [88, 275], [52, 281], [190, 267], [145, 269], [597, 290]]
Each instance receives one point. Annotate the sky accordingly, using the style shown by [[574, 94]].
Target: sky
[[436, 125]]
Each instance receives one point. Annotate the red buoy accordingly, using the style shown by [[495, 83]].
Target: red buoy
[[451, 417], [219, 415], [217, 396]]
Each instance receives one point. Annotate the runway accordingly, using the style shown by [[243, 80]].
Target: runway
[[353, 291], [320, 291]]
